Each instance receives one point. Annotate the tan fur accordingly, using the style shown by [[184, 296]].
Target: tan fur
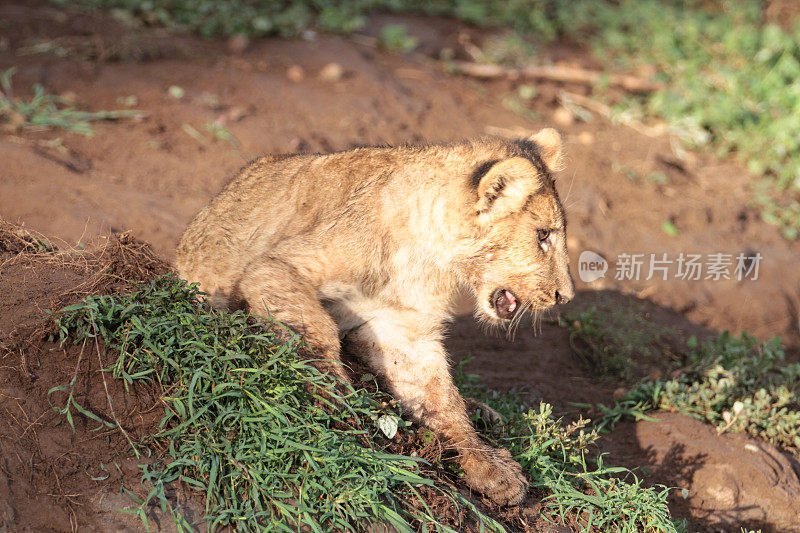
[[376, 243]]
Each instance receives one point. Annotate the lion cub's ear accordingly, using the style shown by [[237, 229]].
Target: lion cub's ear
[[505, 188], [549, 141]]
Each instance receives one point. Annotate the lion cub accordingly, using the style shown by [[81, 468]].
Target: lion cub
[[375, 243]]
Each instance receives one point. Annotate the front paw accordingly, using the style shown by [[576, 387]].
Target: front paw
[[492, 472], [480, 410]]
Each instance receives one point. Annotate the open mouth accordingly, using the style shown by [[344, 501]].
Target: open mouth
[[505, 303]]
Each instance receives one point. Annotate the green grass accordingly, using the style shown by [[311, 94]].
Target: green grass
[[47, 111], [616, 342], [240, 424], [731, 86], [559, 459], [395, 37], [219, 131], [287, 18], [734, 383], [258, 18], [243, 425]]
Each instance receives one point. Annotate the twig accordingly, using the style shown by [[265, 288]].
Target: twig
[[555, 73], [108, 396], [602, 109], [70, 498]]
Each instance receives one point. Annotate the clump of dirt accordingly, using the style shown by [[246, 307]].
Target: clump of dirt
[[724, 482], [15, 239], [52, 477], [36, 277]]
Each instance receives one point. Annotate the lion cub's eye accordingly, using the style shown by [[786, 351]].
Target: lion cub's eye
[[542, 234]]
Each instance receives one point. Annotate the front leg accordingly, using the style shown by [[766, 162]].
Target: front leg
[[414, 364], [272, 287]]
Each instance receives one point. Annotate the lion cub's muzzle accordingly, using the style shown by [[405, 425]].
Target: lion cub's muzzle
[[505, 303]]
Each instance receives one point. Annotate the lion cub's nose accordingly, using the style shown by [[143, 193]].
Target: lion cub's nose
[[561, 299]]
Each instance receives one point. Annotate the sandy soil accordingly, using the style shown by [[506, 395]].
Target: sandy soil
[[151, 175]]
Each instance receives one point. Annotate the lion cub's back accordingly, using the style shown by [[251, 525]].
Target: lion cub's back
[[236, 226]]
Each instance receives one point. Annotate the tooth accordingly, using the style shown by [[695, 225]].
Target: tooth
[[512, 306]]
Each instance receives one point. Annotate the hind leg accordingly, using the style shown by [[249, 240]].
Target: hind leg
[[274, 288]]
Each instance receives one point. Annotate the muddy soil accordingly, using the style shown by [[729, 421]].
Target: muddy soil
[[54, 478], [150, 175]]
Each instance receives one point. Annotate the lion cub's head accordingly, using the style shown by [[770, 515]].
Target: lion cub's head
[[519, 220]]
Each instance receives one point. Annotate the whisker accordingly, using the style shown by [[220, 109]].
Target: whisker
[[517, 320], [536, 322], [510, 331], [571, 183]]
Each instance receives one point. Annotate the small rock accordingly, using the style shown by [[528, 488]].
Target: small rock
[[295, 73], [236, 113], [620, 392], [586, 138], [69, 96], [176, 92], [717, 486], [573, 243], [563, 117], [331, 72], [237, 43]]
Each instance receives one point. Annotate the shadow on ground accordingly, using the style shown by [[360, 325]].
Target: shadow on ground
[[731, 480]]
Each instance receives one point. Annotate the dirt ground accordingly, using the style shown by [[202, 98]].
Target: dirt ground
[[150, 175]]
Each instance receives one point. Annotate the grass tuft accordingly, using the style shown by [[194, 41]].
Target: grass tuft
[[560, 461], [242, 424], [734, 383], [46, 111], [395, 37], [245, 426]]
